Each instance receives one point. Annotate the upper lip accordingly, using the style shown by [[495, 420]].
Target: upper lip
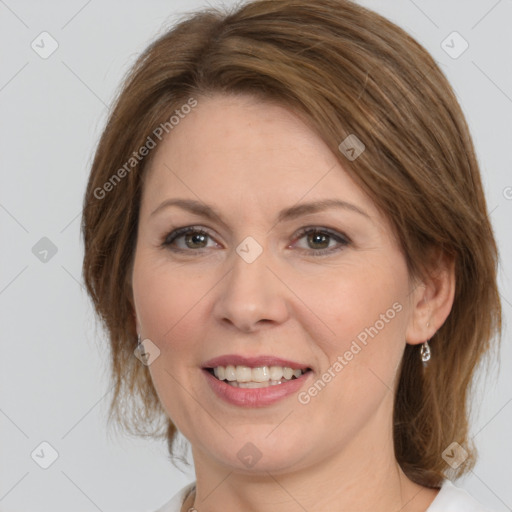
[[253, 362]]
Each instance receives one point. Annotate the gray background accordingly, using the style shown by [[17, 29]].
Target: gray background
[[53, 374]]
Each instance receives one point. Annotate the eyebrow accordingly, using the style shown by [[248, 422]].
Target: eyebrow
[[291, 213]]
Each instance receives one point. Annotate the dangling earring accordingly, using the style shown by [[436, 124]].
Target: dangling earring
[[425, 353], [139, 351], [425, 350]]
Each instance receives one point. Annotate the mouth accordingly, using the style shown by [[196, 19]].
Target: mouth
[[257, 381], [241, 376]]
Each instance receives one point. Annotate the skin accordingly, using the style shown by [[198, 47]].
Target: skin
[[249, 160]]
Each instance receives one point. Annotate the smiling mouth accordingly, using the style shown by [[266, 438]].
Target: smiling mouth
[[258, 377]]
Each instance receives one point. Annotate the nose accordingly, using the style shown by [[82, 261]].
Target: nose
[[251, 296]]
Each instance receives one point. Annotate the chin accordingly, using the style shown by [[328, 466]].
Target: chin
[[260, 451]]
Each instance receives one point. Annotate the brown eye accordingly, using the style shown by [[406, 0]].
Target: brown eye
[[187, 238], [318, 240], [196, 240], [321, 241]]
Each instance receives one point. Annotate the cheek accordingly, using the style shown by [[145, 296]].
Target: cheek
[[169, 303], [166, 297], [364, 314], [350, 299], [365, 308]]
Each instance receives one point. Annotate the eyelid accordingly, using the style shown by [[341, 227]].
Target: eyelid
[[342, 239], [321, 229], [184, 230]]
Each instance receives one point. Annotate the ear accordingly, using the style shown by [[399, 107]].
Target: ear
[[431, 298]]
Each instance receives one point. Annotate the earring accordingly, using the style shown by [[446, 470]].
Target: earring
[[139, 349], [425, 353]]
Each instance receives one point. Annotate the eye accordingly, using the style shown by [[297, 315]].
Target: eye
[[321, 241], [188, 238]]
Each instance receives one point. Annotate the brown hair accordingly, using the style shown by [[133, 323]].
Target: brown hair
[[345, 70]]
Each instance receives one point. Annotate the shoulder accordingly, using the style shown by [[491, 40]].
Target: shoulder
[[175, 503], [455, 499]]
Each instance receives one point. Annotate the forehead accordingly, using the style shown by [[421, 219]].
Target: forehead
[[230, 147]]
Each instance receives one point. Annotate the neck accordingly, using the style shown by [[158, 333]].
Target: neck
[[361, 476]]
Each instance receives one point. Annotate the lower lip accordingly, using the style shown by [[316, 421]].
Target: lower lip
[[254, 397]]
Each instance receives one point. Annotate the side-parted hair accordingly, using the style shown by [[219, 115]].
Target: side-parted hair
[[345, 70]]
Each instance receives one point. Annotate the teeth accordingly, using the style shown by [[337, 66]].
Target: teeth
[[243, 374], [276, 372], [261, 376], [287, 373], [230, 373], [221, 372], [256, 384], [253, 384]]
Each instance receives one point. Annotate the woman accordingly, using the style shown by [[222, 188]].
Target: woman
[[285, 219]]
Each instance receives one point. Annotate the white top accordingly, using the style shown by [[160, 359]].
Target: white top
[[449, 499]]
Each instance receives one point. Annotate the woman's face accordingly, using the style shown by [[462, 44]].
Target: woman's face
[[272, 273]]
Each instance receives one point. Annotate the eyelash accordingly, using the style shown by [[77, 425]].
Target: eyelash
[[342, 239]]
